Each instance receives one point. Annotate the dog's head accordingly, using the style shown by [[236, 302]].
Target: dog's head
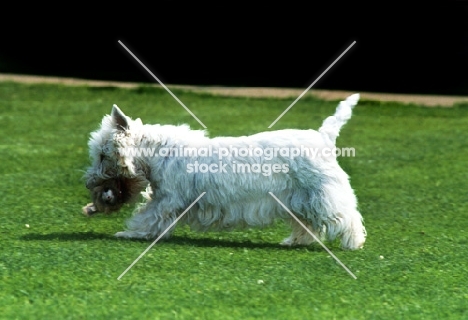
[[113, 179], [109, 145]]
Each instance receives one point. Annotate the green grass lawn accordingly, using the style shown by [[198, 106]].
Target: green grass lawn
[[409, 174]]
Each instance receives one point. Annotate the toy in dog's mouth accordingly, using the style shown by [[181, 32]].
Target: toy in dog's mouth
[[111, 194], [108, 196]]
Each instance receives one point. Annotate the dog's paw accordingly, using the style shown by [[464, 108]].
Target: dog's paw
[[124, 234], [288, 242], [89, 210], [297, 241], [132, 235]]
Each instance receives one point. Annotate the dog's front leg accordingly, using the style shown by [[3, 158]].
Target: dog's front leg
[[149, 221], [301, 236]]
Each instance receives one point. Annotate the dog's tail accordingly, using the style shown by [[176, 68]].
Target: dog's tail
[[332, 125]]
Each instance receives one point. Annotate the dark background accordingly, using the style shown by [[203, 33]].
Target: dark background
[[399, 48]]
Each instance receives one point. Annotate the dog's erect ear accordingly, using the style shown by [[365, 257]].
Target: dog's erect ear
[[119, 118]]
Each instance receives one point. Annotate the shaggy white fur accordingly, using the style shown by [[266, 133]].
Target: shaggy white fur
[[314, 188]]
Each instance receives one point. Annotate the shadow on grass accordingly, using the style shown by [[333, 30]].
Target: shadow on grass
[[209, 242], [62, 236], [174, 240]]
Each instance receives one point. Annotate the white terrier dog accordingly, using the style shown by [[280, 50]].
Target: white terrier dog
[[237, 174]]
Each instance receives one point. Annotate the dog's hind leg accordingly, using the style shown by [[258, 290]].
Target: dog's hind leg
[[301, 236]]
